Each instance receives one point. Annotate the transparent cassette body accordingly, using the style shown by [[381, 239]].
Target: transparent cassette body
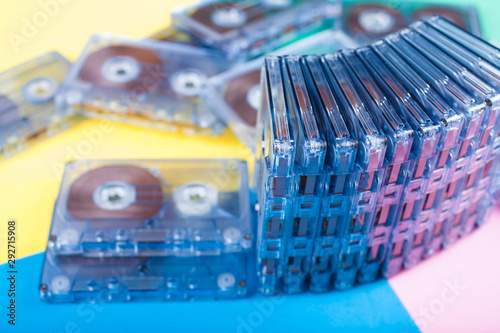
[[274, 175], [448, 146], [341, 176], [397, 162], [402, 246], [152, 208], [247, 29], [223, 92], [476, 139], [288, 218], [27, 110], [146, 83], [308, 176], [128, 279], [480, 58], [368, 21], [372, 144]]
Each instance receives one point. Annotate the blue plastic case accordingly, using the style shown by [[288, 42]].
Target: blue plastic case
[[372, 144], [341, 176], [152, 208], [397, 162]]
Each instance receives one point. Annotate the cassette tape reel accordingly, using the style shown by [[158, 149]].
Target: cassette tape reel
[[179, 208], [148, 83], [27, 110]]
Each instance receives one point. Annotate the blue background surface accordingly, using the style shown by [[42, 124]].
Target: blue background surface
[[373, 306]]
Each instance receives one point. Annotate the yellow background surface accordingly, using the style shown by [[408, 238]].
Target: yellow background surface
[[29, 181]]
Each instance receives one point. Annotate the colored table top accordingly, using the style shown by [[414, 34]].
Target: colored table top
[[457, 290]]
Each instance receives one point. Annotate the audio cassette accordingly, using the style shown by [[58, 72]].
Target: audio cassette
[[235, 94], [250, 28], [147, 83], [284, 257], [27, 111], [341, 177], [397, 161], [128, 279], [372, 145], [152, 208], [422, 160], [367, 21]]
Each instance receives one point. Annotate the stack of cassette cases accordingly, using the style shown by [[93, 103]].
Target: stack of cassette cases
[[147, 83], [246, 29], [166, 230], [27, 110], [373, 159], [235, 94], [371, 20]]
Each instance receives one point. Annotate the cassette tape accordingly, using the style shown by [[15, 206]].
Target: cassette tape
[[129, 279], [458, 51], [370, 158], [341, 176], [422, 161], [476, 100], [147, 83], [451, 126], [235, 94], [371, 20], [289, 104], [152, 208], [27, 110], [310, 155], [399, 143], [247, 29]]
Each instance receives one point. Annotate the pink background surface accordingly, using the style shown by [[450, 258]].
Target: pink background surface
[[457, 290]]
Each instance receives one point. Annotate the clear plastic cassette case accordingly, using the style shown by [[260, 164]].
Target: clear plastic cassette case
[[250, 28], [128, 279], [27, 110], [152, 208], [235, 94], [147, 83]]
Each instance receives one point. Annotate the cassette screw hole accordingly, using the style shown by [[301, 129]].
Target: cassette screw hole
[[44, 287], [242, 284], [143, 269], [53, 238], [488, 102]]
